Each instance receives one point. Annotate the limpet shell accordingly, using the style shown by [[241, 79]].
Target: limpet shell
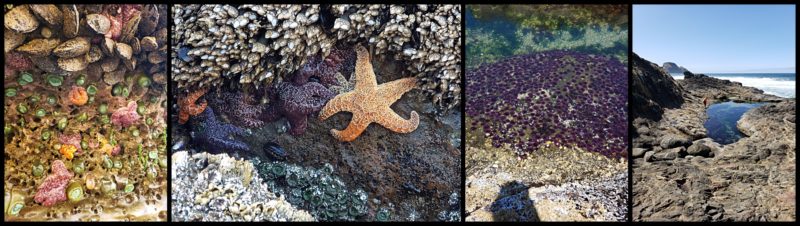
[[72, 48], [73, 64], [48, 12], [99, 23], [20, 19], [39, 47]]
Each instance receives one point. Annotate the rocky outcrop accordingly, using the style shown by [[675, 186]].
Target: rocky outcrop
[[652, 89], [673, 68], [681, 174], [704, 86]]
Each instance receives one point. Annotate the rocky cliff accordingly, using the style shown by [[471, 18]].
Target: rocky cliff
[[681, 174], [652, 89]]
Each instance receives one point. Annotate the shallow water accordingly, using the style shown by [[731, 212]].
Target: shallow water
[[722, 118]]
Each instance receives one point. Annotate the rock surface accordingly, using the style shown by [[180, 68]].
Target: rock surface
[[546, 187], [686, 176]]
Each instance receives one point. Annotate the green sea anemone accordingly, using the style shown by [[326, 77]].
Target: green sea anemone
[[75, 192], [10, 92], [25, 78], [80, 80], [55, 80], [91, 90]]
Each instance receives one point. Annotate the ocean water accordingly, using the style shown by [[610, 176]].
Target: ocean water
[[495, 36], [778, 84], [722, 118]]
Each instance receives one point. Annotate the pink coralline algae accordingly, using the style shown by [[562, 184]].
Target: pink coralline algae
[[53, 189], [126, 116], [571, 99], [17, 62], [74, 140], [123, 13]]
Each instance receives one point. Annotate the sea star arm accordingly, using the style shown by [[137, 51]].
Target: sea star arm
[[365, 76], [395, 123], [392, 91], [357, 125], [335, 105]]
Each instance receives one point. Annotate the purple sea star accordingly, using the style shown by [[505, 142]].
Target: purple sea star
[[208, 131], [296, 102], [339, 60], [241, 109]]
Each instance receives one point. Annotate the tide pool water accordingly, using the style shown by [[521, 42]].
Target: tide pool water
[[722, 118], [778, 84]]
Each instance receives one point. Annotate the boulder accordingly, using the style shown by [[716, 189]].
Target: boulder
[[699, 149], [673, 141]]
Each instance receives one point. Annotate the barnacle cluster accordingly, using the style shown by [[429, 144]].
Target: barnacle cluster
[[255, 44], [317, 190], [222, 188], [68, 68], [558, 98]]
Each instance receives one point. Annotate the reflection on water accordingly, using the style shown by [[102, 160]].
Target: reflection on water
[[722, 118]]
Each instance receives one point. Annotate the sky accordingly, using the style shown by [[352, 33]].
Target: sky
[[717, 38]]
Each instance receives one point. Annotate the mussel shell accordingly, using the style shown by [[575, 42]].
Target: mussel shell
[[99, 23], [275, 151], [20, 19], [48, 12], [39, 47], [72, 48], [72, 21], [130, 28], [73, 64], [12, 40]]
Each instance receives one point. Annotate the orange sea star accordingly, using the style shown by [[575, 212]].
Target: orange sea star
[[369, 102], [189, 108]]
